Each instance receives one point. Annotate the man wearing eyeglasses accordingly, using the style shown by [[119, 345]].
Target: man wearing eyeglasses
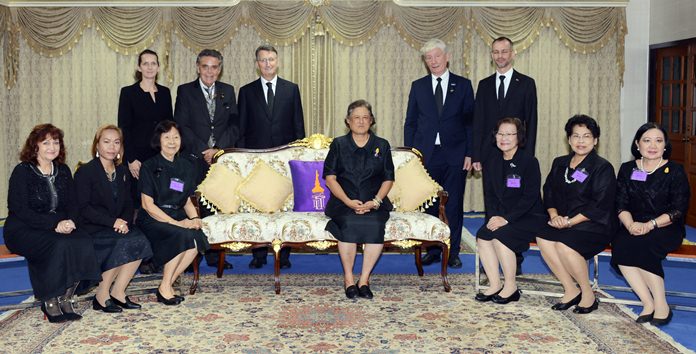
[[270, 114], [506, 93]]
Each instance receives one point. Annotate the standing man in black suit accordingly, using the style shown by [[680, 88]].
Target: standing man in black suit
[[438, 124], [270, 112], [506, 93], [206, 112]]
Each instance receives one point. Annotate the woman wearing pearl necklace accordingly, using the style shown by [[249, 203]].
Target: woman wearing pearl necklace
[[651, 200]]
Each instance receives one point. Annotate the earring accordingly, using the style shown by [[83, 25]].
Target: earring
[[97, 154], [118, 156]]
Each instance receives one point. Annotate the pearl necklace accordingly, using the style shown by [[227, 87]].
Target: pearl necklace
[[653, 171], [565, 176]]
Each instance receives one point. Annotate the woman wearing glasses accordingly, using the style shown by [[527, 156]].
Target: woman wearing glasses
[[579, 198], [514, 211]]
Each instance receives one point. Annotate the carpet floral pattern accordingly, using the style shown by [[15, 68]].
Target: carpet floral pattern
[[410, 314]]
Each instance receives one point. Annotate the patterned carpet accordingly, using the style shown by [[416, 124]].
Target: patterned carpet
[[409, 314]]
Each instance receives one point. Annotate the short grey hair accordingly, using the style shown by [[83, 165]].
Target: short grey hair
[[264, 47], [209, 53], [432, 44]]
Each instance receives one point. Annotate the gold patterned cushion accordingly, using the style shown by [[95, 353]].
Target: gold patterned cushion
[[218, 190], [413, 188], [265, 189]]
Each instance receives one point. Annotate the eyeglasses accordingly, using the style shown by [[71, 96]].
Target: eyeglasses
[[577, 137], [505, 135], [267, 60], [504, 52]]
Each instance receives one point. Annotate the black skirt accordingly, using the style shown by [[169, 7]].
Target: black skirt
[[359, 228], [646, 252], [587, 244], [114, 249], [168, 240], [514, 238]]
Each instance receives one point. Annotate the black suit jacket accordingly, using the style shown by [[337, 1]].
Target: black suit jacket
[[97, 206], [259, 127], [520, 101], [454, 125], [191, 114]]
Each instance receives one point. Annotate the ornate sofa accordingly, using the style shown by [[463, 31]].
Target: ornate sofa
[[240, 223]]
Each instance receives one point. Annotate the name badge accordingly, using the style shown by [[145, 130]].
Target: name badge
[[580, 175], [514, 181], [639, 175], [176, 184]]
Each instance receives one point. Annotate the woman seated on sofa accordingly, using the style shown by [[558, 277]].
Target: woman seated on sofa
[[514, 212], [171, 221], [106, 213], [359, 172], [579, 198], [652, 198], [41, 226]]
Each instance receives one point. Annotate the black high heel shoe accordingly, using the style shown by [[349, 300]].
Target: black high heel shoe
[[66, 306], [169, 302], [108, 307], [662, 321], [562, 306], [504, 300], [51, 311], [128, 304], [645, 318], [585, 310]]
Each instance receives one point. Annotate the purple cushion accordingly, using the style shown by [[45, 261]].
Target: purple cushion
[[309, 188]]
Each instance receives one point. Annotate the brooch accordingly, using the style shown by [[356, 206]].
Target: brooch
[[451, 88], [377, 154], [666, 169]]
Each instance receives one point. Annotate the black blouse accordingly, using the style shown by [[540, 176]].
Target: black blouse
[[138, 115], [30, 197], [169, 183], [666, 191], [593, 197], [359, 170]]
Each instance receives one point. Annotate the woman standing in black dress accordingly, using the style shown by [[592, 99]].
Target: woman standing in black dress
[[514, 212], [41, 227], [359, 172], [652, 198], [170, 221], [579, 197], [106, 213]]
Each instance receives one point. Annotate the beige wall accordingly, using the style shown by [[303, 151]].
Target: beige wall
[[671, 20]]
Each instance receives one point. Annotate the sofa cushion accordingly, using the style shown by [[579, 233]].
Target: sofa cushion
[[309, 188], [219, 189], [244, 227], [265, 189], [413, 188]]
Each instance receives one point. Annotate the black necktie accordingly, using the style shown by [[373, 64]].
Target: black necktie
[[270, 96], [501, 88], [438, 96]]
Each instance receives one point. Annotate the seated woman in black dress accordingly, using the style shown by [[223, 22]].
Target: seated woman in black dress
[[106, 213], [579, 197], [171, 221], [41, 224], [514, 212], [652, 197], [359, 172]]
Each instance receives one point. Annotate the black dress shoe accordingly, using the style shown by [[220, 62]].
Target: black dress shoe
[[285, 264], [662, 321], [455, 262], [169, 302], [352, 292], [108, 307], [485, 298], [429, 259], [645, 318], [364, 292], [562, 306], [256, 263], [226, 265], [584, 310], [128, 305], [504, 300], [179, 297]]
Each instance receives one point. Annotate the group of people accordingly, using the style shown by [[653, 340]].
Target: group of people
[[84, 231]]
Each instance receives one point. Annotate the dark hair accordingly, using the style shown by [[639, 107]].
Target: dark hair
[[502, 38], [265, 47], [584, 120], [98, 135], [38, 134], [521, 130], [356, 104], [138, 75], [209, 53], [639, 134], [161, 128]]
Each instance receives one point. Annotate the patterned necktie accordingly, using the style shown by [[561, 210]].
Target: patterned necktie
[[210, 102], [270, 96], [501, 88], [438, 96]]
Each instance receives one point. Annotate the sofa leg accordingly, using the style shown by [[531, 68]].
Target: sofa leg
[[276, 269], [221, 263], [419, 263], [443, 271], [196, 274]]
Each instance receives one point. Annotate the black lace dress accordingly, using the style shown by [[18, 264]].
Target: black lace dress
[[666, 191]]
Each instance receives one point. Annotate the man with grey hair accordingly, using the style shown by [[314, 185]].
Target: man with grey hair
[[438, 124], [270, 115], [206, 112]]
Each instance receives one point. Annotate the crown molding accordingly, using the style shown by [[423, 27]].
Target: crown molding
[[511, 3], [223, 3], [118, 3]]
